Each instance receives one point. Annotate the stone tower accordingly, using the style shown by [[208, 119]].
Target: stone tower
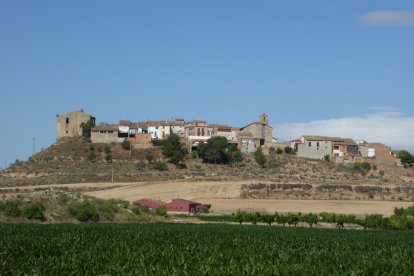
[[264, 118]]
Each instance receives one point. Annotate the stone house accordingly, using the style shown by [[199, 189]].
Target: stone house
[[69, 124], [105, 133], [260, 132], [378, 153]]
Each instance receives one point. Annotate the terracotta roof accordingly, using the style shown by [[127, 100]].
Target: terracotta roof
[[331, 139], [257, 123], [245, 133], [105, 127]]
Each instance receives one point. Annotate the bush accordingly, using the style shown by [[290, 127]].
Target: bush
[[289, 150], [126, 145], [84, 212], [260, 157], [91, 156], [160, 166], [11, 209], [161, 211], [279, 151], [364, 167], [108, 157], [34, 211], [205, 208], [107, 149]]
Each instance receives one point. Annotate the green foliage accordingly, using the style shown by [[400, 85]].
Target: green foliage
[[235, 156], [34, 211], [107, 149], [149, 157], [205, 208], [364, 167], [260, 157], [240, 216], [91, 156], [215, 150], [87, 128], [157, 142], [327, 158], [191, 249], [160, 166], [84, 211], [375, 221], [173, 149], [311, 219], [279, 151], [126, 145], [406, 158], [161, 211], [108, 157], [289, 150], [10, 209], [292, 219], [194, 154]]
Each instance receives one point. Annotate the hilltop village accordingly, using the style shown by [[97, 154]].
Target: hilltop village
[[253, 136]]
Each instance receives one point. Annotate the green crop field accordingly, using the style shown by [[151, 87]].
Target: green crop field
[[175, 249]]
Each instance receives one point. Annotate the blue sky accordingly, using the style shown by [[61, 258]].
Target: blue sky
[[304, 63]]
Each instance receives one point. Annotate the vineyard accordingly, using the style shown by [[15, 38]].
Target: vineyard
[[176, 249]]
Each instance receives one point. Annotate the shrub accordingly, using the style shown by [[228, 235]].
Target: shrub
[[108, 157], [91, 156], [260, 157], [107, 149], [34, 211], [205, 208], [161, 211], [289, 150], [11, 209], [327, 158], [149, 157], [279, 151], [160, 166], [84, 212], [126, 145]]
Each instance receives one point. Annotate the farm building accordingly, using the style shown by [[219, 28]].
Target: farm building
[[152, 204], [183, 206]]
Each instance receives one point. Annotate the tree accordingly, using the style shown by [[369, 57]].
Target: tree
[[84, 212], [292, 219], [215, 150], [34, 211], [126, 145], [289, 150], [269, 219], [87, 128], [240, 217], [260, 157], [173, 149], [406, 158], [161, 211], [310, 219]]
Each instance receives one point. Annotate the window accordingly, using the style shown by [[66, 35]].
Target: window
[[317, 144], [310, 144], [67, 120], [336, 147]]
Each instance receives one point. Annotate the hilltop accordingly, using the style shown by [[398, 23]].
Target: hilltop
[[76, 160]]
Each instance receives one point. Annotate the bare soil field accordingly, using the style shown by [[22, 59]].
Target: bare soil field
[[356, 207], [225, 198]]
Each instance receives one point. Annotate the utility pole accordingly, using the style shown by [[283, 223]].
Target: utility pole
[[34, 145], [112, 164]]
